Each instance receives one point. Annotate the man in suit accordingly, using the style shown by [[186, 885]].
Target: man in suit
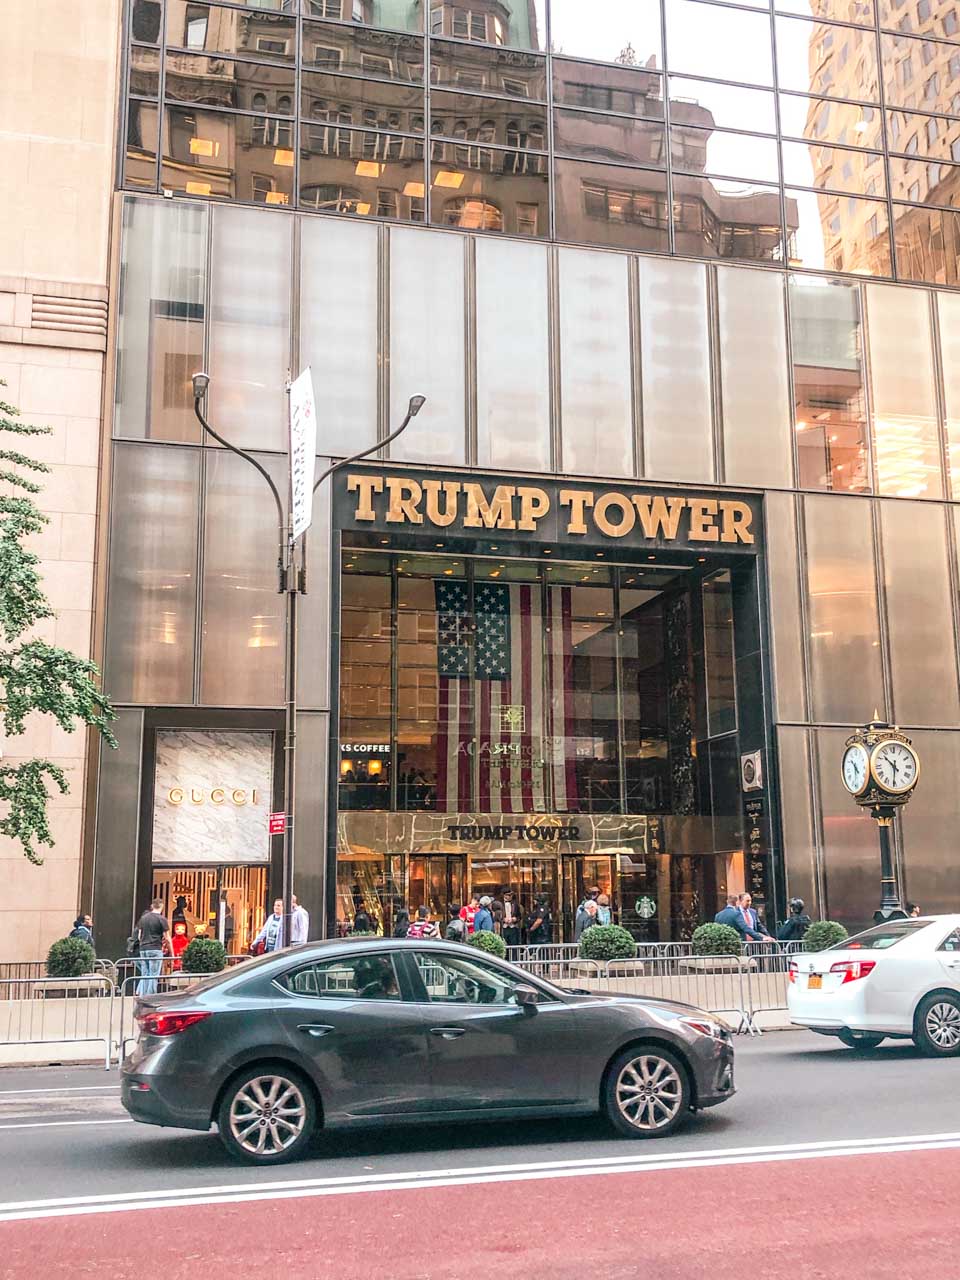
[[753, 925], [732, 915]]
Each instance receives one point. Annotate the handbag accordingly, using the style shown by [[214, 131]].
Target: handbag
[[133, 943], [258, 948]]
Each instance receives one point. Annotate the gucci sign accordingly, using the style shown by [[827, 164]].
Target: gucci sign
[[216, 795]]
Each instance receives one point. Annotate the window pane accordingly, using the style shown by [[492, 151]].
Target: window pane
[[622, 33], [923, 660], [859, 11], [829, 168], [831, 425], [153, 568], [515, 26], [250, 328], [753, 373], [929, 824], [904, 395], [491, 70], [842, 610], [513, 379], [603, 204], [823, 120], [838, 233], [143, 142], [377, 175], [835, 62], [948, 309], [160, 329], [407, 17], [918, 73], [917, 135], [145, 20], [934, 19], [338, 330], [388, 57], [621, 139], [427, 344], [375, 104], [244, 86], [718, 654], [783, 580], [144, 76], [242, 645], [727, 218], [209, 153], [735, 155], [675, 344], [927, 243], [799, 844], [924, 181], [706, 40], [211, 29], [629, 91], [724, 106], [596, 410], [483, 189], [851, 859]]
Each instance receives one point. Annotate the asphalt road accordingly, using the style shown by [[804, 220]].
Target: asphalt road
[[821, 1149]]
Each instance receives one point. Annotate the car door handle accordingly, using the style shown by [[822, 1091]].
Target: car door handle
[[447, 1033], [315, 1028]]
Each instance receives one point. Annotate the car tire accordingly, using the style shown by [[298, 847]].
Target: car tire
[[646, 1092], [936, 1025], [267, 1115], [861, 1040]]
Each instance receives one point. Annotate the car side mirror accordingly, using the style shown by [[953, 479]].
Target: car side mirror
[[527, 998]]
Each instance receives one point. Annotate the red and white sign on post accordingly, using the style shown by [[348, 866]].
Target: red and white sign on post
[[278, 824]]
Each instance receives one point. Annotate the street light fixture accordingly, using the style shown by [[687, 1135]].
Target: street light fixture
[[292, 583]]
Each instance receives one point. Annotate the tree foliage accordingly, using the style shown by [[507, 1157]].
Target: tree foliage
[[35, 677]]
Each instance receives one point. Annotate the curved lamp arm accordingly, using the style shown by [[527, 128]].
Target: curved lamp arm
[[413, 408]]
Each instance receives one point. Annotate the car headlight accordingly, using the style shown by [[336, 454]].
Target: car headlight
[[715, 1028]]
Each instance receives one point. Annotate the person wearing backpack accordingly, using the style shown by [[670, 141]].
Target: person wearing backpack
[[83, 929], [456, 930], [796, 924], [423, 926]]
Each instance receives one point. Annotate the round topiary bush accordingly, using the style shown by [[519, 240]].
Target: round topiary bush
[[716, 940], [489, 942], [204, 955], [70, 958], [606, 942], [362, 933], [823, 934]]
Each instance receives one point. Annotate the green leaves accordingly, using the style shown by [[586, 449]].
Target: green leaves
[[40, 677], [24, 788]]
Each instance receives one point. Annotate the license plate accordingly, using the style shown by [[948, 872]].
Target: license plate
[[815, 982]]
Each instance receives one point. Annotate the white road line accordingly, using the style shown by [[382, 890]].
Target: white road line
[[239, 1193], [86, 1088], [59, 1124]]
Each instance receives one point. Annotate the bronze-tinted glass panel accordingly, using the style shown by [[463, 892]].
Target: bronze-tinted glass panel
[[211, 28], [378, 175], [604, 204], [735, 155], [472, 67], [373, 104], [830, 410], [210, 153], [483, 189], [521, 25], [856, 11], [628, 33], [850, 857], [702, 104], [927, 244], [727, 44], [852, 124], [828, 61], [928, 825], [938, 18], [140, 159], [519, 125], [374, 55], [925, 182], [832, 168], [948, 312], [146, 17], [838, 232], [611, 139], [722, 218], [918, 74], [934, 137], [144, 77], [403, 15], [223, 82], [627, 91]]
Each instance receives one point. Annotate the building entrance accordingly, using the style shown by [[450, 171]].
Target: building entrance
[[228, 903]]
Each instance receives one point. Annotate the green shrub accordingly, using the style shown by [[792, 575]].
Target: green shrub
[[204, 955], [823, 934], [70, 958], [716, 940], [606, 942], [490, 942], [362, 933]]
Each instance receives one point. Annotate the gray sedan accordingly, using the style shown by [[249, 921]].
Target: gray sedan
[[384, 1031]]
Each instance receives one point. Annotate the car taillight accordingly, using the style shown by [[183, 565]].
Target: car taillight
[[853, 969], [792, 971], [168, 1024]]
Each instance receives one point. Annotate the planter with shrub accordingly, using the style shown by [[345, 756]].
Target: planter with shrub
[[204, 955], [489, 942], [606, 942], [70, 958], [823, 934], [716, 949]]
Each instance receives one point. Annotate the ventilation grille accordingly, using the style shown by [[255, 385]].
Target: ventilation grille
[[74, 315]]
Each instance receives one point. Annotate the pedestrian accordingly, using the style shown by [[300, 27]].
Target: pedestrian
[[752, 922], [83, 929], [731, 915], [796, 924], [179, 910], [483, 920], [362, 922], [604, 914], [539, 922], [510, 925], [913, 910], [469, 912], [299, 922], [586, 919], [456, 930], [153, 931], [229, 928], [423, 926], [402, 926], [271, 935]]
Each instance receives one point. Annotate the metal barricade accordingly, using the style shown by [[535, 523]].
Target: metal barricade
[[36, 1011]]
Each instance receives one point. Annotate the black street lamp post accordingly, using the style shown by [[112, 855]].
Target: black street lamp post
[[291, 583]]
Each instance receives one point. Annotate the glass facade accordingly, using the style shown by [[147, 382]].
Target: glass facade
[[804, 133]]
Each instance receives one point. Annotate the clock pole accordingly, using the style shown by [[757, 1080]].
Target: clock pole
[[890, 908]]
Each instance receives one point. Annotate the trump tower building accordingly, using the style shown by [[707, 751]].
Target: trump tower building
[[678, 280]]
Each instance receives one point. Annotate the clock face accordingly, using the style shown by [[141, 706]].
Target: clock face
[[895, 766], [856, 768]]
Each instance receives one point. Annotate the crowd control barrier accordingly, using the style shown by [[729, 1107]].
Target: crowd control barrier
[[35, 1011]]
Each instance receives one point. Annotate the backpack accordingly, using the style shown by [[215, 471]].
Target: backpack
[[455, 931]]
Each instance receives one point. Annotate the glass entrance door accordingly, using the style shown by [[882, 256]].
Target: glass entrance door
[[216, 902], [439, 881], [580, 873]]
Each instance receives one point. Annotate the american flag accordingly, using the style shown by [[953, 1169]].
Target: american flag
[[506, 699]]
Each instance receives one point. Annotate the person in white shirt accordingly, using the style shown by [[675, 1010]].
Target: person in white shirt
[[299, 922]]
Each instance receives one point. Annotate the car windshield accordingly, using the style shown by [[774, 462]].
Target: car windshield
[[881, 937]]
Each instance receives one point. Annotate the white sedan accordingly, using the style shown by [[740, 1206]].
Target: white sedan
[[900, 979]]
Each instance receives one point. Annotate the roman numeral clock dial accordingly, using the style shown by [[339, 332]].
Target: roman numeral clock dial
[[894, 766]]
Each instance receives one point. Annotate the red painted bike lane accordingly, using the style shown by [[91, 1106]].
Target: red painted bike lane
[[880, 1216]]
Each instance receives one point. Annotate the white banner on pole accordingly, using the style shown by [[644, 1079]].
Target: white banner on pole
[[303, 451]]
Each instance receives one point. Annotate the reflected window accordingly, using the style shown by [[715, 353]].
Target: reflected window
[[609, 205], [472, 213], [612, 139], [145, 20], [927, 244], [808, 165], [851, 124], [474, 67], [628, 35], [727, 218], [195, 27], [621, 89], [838, 232], [722, 106], [706, 40], [835, 62]]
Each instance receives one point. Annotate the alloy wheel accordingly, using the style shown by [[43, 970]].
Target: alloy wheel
[[267, 1115], [943, 1025], [649, 1092]]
